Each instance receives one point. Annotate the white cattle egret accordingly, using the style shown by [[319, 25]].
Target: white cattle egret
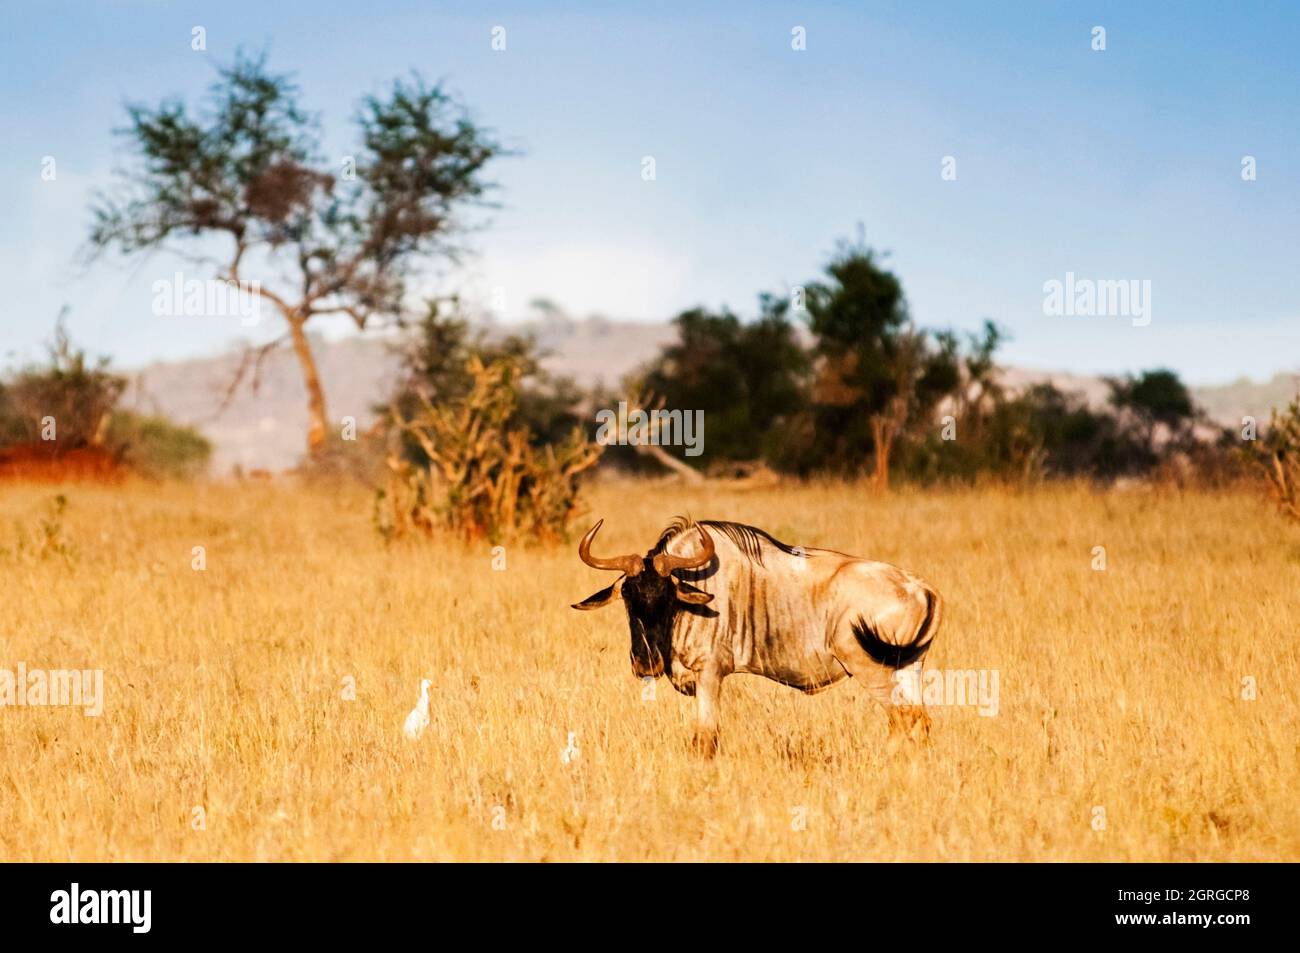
[[418, 719]]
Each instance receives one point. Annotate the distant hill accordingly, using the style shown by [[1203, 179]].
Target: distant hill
[[1224, 404], [1228, 403], [265, 428]]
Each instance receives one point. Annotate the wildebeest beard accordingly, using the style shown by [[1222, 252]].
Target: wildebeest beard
[[652, 605]]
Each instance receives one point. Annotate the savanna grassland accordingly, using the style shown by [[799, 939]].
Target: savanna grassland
[[227, 687]]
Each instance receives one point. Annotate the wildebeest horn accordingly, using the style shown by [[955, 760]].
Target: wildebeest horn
[[666, 562], [628, 564]]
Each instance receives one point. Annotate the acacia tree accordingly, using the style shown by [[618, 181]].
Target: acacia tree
[[248, 169], [878, 373], [1155, 398], [746, 376]]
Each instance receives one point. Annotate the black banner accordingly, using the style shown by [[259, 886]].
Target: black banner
[[141, 903]]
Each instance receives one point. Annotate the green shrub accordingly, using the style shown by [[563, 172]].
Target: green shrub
[[485, 476], [156, 447], [1278, 456], [75, 392]]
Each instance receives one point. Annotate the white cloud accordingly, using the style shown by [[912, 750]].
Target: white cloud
[[582, 279]]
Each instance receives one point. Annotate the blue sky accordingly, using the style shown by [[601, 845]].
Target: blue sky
[[1122, 164]]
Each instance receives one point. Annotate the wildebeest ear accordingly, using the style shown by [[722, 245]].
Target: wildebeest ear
[[602, 598], [688, 593]]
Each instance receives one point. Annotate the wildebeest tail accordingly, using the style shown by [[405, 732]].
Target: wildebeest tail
[[899, 656]]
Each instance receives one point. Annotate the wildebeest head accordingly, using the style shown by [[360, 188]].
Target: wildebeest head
[[652, 595]]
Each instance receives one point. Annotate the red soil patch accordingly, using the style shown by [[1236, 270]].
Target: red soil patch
[[49, 463]]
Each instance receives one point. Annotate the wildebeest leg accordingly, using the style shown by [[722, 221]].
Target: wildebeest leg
[[708, 690], [898, 691], [907, 714], [910, 721]]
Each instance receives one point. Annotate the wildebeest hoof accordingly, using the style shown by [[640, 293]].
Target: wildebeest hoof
[[705, 744], [910, 721]]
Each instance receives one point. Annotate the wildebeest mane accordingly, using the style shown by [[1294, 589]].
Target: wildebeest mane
[[748, 539]]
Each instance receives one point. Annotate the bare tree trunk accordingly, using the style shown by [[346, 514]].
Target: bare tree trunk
[[882, 438], [657, 453], [885, 427], [318, 424], [100, 436], [683, 470]]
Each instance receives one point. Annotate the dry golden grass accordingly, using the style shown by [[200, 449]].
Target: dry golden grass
[[1118, 689]]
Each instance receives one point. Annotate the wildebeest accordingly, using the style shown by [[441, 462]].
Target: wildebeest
[[713, 598]]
